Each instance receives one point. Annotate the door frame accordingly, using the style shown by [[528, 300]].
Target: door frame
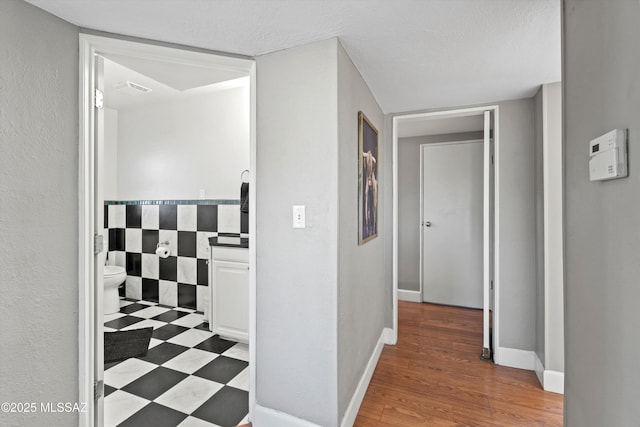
[[88, 298], [422, 147], [464, 112]]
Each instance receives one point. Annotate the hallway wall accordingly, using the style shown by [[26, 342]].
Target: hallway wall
[[38, 209]]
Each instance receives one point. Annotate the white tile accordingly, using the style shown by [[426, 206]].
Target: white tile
[[187, 217], [170, 236], [134, 287], [133, 240], [187, 270], [120, 259], [150, 217], [189, 394], [146, 323], [241, 380], [190, 338], [168, 292], [196, 422], [202, 297], [186, 310], [228, 218], [124, 303], [202, 244], [149, 312], [147, 302], [190, 320], [150, 266], [125, 372], [107, 329], [245, 420], [154, 342], [239, 351], [190, 360], [117, 216], [120, 405], [113, 316]]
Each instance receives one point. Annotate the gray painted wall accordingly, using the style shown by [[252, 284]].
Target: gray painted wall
[[39, 206], [409, 204], [517, 221], [297, 272], [363, 292], [539, 186], [602, 247]]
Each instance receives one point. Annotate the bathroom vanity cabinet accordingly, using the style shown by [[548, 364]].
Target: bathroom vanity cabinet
[[229, 292]]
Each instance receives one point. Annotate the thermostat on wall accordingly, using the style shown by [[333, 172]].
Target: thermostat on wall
[[608, 156]]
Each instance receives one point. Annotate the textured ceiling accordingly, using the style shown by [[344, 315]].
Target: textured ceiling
[[414, 54]]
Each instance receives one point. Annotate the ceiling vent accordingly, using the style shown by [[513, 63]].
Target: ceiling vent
[[131, 88]]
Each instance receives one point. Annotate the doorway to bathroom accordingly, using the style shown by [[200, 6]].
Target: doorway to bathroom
[[167, 158]]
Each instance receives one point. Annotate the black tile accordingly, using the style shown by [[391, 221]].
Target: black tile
[[226, 408], [155, 415], [111, 365], [106, 216], [134, 264], [168, 217], [207, 218], [134, 216], [187, 243], [154, 383], [244, 222], [108, 389], [123, 322], [132, 308], [168, 268], [170, 316], [186, 296], [215, 344], [202, 326], [203, 272], [150, 241], [122, 290], [163, 353], [120, 245], [150, 290], [112, 239], [168, 331], [222, 369]]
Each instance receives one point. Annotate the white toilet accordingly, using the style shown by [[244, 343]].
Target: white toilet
[[114, 276]]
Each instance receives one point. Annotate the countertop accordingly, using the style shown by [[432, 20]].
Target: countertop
[[229, 240]]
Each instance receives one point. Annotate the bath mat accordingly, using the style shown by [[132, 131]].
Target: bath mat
[[122, 345]]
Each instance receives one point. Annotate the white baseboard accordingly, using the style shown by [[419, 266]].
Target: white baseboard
[[267, 417], [552, 381], [516, 358], [354, 406], [411, 296]]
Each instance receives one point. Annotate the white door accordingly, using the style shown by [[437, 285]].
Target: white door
[[452, 223], [98, 227]]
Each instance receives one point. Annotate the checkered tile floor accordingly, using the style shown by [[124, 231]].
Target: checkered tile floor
[[189, 377]]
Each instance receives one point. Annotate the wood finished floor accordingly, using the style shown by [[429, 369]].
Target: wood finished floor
[[434, 377]]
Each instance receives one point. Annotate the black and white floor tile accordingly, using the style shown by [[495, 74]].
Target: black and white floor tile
[[189, 377]]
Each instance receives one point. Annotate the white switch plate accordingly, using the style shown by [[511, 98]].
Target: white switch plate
[[298, 217]]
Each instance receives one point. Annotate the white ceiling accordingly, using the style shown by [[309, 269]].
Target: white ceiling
[[414, 54]]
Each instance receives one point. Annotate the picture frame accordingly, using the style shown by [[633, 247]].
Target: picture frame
[[368, 167]]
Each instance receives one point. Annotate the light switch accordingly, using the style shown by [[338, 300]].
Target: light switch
[[298, 217]]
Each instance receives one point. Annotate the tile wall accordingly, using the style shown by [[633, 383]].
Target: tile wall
[[181, 280]]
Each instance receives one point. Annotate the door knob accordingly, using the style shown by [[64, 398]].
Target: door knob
[[427, 224]]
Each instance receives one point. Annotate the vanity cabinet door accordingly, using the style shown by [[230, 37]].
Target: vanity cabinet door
[[230, 292]]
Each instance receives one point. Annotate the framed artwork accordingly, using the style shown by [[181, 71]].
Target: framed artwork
[[368, 163]]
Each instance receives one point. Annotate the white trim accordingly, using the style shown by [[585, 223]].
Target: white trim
[[496, 206], [267, 417], [252, 242], [552, 381], [354, 406], [516, 358], [539, 368], [89, 45], [411, 296]]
